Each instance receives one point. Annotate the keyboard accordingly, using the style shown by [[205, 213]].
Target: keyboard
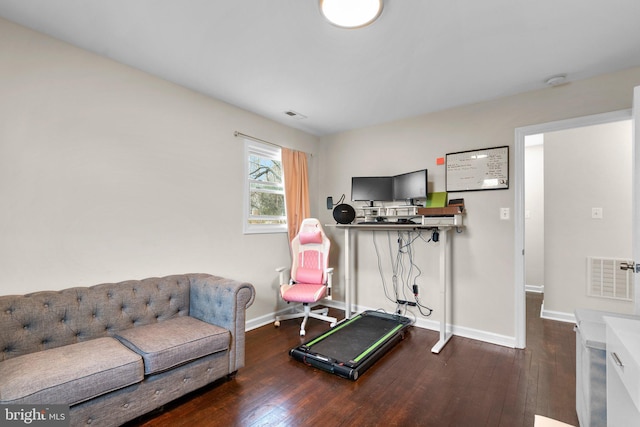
[[386, 223]]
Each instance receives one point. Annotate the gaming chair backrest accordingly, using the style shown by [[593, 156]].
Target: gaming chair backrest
[[310, 253]]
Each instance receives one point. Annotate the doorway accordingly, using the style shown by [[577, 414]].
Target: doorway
[[519, 206]]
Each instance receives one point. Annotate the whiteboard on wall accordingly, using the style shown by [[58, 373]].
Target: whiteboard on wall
[[484, 169]]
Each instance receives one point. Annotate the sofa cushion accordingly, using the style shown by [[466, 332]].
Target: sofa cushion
[[69, 374], [173, 342]]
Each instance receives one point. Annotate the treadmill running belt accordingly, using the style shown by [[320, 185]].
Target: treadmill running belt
[[351, 347]]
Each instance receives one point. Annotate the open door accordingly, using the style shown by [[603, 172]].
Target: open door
[[519, 212], [636, 195]]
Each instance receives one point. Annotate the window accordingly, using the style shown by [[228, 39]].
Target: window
[[264, 208]]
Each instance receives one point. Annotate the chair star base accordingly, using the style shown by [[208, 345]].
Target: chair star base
[[320, 314]]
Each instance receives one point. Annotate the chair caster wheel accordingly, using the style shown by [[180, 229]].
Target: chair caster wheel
[[302, 333], [332, 324], [276, 323]]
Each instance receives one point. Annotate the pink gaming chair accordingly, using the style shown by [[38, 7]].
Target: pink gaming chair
[[310, 277]]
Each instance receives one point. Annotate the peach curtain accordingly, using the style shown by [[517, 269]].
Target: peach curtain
[[296, 188]]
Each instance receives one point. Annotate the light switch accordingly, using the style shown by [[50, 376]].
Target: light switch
[[596, 213], [504, 213]]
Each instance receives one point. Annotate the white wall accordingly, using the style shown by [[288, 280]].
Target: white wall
[[109, 174], [534, 215], [483, 263], [584, 168]]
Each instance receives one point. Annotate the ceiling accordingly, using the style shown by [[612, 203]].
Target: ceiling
[[274, 56]]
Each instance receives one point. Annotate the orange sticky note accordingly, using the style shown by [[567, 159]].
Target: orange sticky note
[[440, 161]]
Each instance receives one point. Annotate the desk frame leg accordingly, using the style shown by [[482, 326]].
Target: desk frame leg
[[347, 274], [445, 334]]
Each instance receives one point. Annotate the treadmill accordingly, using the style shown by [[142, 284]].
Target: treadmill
[[351, 347]]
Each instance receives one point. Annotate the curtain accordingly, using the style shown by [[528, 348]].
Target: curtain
[[296, 188]]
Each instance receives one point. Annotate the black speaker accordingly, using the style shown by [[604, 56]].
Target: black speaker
[[344, 214]]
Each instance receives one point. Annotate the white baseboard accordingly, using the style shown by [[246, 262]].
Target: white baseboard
[[257, 322], [557, 315], [538, 289], [488, 337], [471, 333], [475, 334]]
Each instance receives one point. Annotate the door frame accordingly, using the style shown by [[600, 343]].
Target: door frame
[[519, 259], [635, 219]]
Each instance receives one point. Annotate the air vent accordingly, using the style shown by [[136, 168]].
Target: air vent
[[295, 115], [607, 280]]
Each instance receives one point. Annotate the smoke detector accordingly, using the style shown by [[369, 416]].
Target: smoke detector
[[556, 80]]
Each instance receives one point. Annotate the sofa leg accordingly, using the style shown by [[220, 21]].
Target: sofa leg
[[232, 375]]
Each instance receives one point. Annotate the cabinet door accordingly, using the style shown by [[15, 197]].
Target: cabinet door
[[623, 372]]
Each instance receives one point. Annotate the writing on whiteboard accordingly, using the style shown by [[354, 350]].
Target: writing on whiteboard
[[485, 169]]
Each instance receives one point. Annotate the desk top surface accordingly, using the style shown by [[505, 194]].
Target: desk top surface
[[424, 222]]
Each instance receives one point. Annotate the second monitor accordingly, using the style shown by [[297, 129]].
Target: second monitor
[[410, 186], [407, 187]]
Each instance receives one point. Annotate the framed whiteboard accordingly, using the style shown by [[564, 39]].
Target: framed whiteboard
[[485, 169]]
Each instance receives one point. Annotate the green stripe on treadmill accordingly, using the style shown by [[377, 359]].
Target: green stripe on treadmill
[[377, 343], [332, 330]]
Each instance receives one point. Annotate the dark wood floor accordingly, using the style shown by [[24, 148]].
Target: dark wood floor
[[470, 383]]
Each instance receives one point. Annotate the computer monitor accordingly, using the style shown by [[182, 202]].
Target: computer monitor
[[410, 186], [371, 189]]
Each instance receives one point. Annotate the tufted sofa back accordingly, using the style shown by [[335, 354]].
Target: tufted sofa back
[[48, 319]]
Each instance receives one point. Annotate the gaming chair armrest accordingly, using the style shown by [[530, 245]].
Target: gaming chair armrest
[[329, 272], [281, 271]]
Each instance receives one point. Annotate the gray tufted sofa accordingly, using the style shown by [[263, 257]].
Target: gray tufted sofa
[[116, 351]]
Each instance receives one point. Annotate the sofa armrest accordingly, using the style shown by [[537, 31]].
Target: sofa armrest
[[222, 302]]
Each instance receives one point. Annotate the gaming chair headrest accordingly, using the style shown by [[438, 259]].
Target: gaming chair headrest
[[307, 237]]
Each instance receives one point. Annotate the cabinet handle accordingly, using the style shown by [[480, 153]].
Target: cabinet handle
[[617, 360]]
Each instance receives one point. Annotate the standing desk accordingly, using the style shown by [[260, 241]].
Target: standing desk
[[443, 225]]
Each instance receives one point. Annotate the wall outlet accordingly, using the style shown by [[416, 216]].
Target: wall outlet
[[504, 213], [596, 213]]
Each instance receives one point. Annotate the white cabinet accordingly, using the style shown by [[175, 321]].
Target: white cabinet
[[623, 372], [591, 373]]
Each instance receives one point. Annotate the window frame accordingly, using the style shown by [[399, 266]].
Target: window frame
[[268, 151]]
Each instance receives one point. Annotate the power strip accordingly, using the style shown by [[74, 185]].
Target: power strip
[[409, 303]]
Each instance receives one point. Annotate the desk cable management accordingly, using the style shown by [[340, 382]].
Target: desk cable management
[[409, 277]]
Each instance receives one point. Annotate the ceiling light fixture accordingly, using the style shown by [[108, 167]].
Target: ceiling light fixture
[[351, 13]]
